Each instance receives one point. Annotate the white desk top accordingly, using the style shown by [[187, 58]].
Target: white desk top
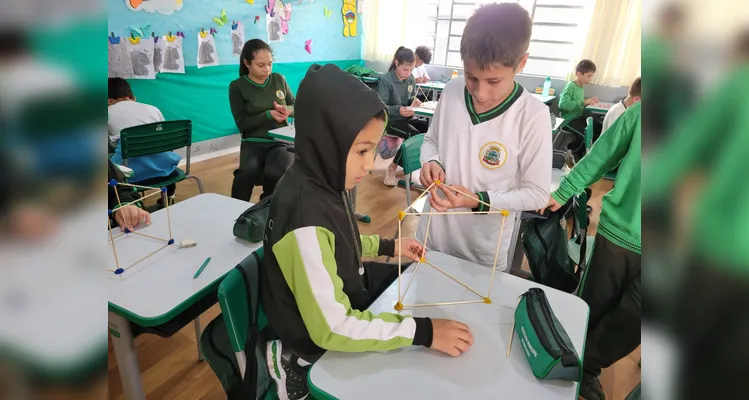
[[436, 85], [600, 107], [149, 292], [545, 99], [481, 373], [284, 134], [426, 109]]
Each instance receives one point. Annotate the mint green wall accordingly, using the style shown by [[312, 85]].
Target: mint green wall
[[202, 95]]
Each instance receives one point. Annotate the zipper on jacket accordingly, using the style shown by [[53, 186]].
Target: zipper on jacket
[[349, 214], [537, 296]]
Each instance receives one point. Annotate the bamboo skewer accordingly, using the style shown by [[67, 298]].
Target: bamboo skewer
[[448, 303], [168, 218], [149, 255], [114, 250], [134, 201], [138, 186], [455, 279], [452, 213], [117, 193], [512, 332], [472, 197], [424, 193], [115, 236], [400, 299], [400, 265], [149, 236], [496, 256]]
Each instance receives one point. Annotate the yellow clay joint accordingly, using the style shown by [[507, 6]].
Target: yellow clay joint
[[398, 306], [487, 300]]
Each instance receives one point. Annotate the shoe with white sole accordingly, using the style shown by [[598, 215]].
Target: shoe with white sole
[[390, 179], [287, 370]]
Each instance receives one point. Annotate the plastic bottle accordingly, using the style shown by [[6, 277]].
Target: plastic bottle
[[547, 86], [455, 74]]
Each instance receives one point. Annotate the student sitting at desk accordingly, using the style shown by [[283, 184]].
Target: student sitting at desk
[[490, 137], [633, 96], [125, 112], [316, 289], [572, 103], [396, 89], [422, 56]]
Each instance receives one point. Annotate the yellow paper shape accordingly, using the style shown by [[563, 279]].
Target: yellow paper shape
[[134, 40], [349, 18]]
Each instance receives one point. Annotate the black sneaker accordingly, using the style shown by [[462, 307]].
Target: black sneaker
[[284, 368], [590, 388]]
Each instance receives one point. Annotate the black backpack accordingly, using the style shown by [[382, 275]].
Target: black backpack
[[545, 243], [217, 349]]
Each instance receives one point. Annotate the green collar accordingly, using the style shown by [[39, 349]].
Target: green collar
[[257, 84], [494, 112]]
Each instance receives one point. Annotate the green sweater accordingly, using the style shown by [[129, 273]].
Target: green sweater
[[620, 210], [395, 93], [712, 140], [251, 104], [572, 100]]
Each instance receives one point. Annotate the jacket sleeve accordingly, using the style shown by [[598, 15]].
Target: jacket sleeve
[[374, 246], [383, 90], [430, 146], [245, 122], [306, 258], [290, 99], [534, 169], [567, 102], [605, 154]]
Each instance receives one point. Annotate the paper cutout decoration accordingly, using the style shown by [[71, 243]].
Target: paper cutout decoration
[[118, 58], [285, 18], [273, 26], [141, 31], [326, 11], [207, 55], [174, 62], [251, 1], [269, 9], [349, 18], [220, 21], [308, 45], [167, 7], [141, 56], [257, 18], [159, 49], [237, 38]]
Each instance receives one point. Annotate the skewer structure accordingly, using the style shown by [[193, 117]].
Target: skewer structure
[[403, 214], [158, 191]]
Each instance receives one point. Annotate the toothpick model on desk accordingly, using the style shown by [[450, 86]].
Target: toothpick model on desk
[[119, 270], [403, 214]]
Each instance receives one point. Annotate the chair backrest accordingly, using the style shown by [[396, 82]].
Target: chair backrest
[[410, 154], [234, 304], [157, 137], [588, 133]]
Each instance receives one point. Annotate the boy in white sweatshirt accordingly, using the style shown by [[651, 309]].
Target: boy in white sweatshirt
[[489, 137]]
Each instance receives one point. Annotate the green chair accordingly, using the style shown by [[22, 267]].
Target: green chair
[[410, 161], [588, 134], [564, 126], [159, 137], [580, 244]]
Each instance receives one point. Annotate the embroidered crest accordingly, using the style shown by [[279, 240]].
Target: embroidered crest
[[492, 155], [280, 94], [410, 88]]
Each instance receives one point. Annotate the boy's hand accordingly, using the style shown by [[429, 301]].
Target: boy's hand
[[279, 117], [416, 103], [406, 112], [595, 99], [430, 172], [283, 110], [452, 198], [588, 102], [419, 80], [411, 248], [451, 337], [129, 217], [553, 204]]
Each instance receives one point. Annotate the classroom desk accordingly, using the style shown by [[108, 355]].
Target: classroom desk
[[600, 108], [432, 85], [425, 110], [286, 135], [546, 99], [481, 373], [158, 289]]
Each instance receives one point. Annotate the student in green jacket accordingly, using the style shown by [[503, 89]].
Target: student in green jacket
[[260, 101], [316, 288], [572, 103], [397, 90], [611, 283]]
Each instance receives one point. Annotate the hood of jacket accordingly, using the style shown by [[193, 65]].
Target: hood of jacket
[[332, 107]]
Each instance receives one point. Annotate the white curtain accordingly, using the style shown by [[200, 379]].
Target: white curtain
[[388, 24], [613, 42]]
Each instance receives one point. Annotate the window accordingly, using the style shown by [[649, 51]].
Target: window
[[559, 28]]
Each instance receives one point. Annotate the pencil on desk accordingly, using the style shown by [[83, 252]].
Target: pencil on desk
[[202, 267]]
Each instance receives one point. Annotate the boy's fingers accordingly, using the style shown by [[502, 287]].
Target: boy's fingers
[[148, 218]]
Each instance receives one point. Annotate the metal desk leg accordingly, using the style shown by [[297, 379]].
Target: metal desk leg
[[359, 217], [127, 358]]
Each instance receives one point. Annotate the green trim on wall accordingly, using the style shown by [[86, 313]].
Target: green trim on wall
[[202, 95]]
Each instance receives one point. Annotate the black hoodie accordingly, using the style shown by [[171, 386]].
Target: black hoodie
[[313, 283]]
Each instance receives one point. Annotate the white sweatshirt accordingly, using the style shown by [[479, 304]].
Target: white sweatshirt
[[504, 153]]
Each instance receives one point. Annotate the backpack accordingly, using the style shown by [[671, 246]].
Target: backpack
[[389, 146], [217, 349], [545, 247]]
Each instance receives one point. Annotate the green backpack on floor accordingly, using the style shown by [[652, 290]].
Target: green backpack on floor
[[240, 332]]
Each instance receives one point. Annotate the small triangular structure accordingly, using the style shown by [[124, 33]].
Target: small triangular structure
[[402, 216]]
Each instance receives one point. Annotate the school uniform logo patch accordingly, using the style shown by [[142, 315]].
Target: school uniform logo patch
[[410, 88], [280, 94], [493, 155]]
